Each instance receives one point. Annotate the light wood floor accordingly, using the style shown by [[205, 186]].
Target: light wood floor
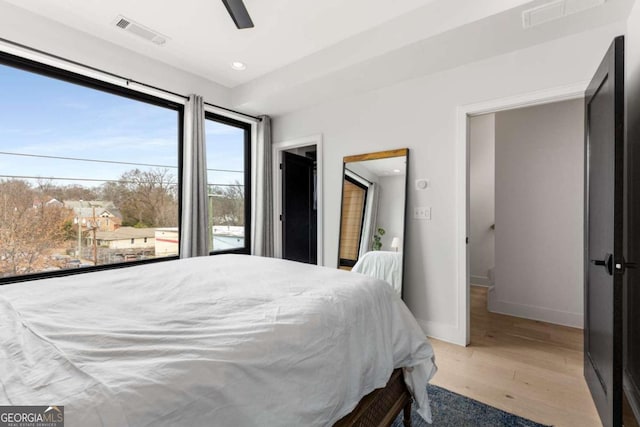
[[529, 368]]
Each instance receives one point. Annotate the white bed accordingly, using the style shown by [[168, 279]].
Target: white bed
[[383, 265], [228, 340]]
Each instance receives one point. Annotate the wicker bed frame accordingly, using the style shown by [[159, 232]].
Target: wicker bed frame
[[381, 407]]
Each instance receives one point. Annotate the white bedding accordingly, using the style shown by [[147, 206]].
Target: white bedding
[[383, 265], [228, 340]]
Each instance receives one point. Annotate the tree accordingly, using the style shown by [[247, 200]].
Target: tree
[[28, 231], [45, 189], [146, 198], [227, 204], [74, 192], [113, 192]]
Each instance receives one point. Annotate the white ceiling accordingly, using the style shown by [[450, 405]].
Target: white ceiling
[[303, 52], [442, 35], [204, 40]]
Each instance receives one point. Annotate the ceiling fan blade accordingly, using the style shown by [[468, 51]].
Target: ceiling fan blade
[[238, 13]]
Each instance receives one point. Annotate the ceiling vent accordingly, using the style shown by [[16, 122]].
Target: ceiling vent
[[555, 10], [140, 30]]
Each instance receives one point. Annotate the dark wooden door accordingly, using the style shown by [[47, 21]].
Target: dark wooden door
[[604, 263], [631, 297], [299, 240]]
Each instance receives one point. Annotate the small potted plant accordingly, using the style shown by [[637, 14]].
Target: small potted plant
[[377, 242]]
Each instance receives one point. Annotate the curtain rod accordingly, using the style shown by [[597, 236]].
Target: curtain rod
[[117, 76]]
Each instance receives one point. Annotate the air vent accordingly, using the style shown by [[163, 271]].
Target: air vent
[[541, 14], [555, 10], [140, 30], [123, 23]]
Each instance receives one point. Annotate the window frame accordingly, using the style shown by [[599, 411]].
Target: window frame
[[50, 71], [247, 128], [344, 262]]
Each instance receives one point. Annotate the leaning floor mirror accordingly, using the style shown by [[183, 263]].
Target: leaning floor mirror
[[372, 222]]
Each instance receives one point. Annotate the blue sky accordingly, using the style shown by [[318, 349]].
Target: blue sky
[[44, 116]]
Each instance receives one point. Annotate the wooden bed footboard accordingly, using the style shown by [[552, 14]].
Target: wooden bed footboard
[[380, 407]]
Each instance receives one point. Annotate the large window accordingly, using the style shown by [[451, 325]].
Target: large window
[[228, 183], [88, 172]]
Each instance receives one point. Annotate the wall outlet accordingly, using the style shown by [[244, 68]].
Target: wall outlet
[[422, 213]]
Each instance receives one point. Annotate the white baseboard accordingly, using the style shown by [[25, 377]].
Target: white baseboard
[[480, 281], [443, 332], [558, 317]]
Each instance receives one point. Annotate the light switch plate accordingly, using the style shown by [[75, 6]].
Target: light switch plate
[[422, 213]]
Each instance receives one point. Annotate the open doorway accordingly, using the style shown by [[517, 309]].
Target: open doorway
[[526, 215], [605, 126], [298, 201], [299, 214], [526, 207], [526, 211]]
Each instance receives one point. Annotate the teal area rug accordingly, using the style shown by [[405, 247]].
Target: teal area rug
[[450, 409]]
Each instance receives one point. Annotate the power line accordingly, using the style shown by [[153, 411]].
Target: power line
[[61, 178], [7, 153], [118, 181]]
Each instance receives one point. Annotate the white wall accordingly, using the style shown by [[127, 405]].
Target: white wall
[[421, 114], [539, 207], [34, 31], [391, 209], [481, 197]]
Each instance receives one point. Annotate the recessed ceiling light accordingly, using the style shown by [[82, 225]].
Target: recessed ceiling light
[[396, 170], [239, 66]]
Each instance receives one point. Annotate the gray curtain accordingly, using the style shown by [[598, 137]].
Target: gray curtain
[[262, 229], [194, 239]]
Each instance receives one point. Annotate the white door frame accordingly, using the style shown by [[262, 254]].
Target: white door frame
[[563, 93], [278, 148]]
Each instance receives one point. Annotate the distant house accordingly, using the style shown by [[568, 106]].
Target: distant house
[[125, 238], [51, 202], [102, 214], [166, 240], [224, 238], [54, 202]]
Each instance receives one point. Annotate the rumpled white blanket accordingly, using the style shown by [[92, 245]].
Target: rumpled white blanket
[[383, 265], [228, 340]]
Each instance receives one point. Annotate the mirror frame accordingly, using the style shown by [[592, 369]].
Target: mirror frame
[[399, 152]]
